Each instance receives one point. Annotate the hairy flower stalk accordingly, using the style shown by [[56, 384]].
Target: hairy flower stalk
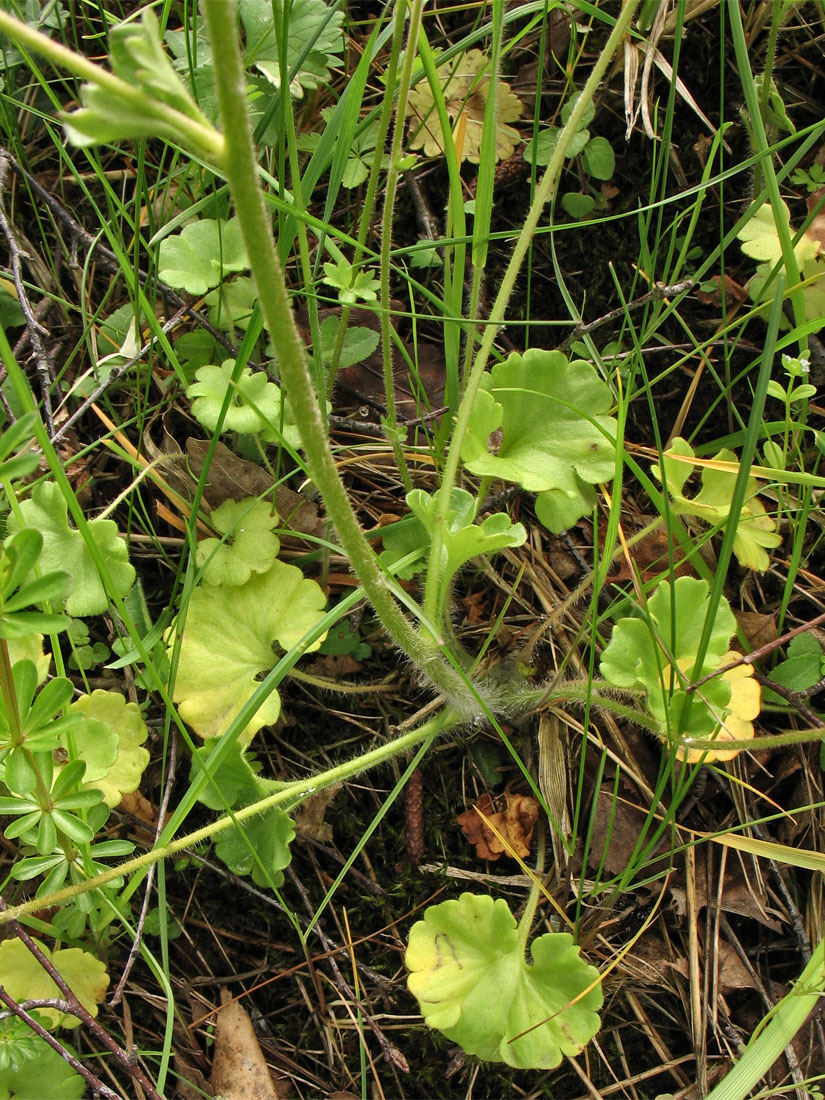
[[241, 172]]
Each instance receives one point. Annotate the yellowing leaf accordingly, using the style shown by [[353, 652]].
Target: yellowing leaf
[[755, 530], [228, 643], [465, 85], [25, 979], [111, 721]]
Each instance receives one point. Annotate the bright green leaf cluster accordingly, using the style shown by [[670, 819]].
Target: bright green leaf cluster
[[755, 530], [557, 438], [472, 981]]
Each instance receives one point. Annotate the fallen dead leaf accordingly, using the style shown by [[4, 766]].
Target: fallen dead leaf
[[515, 822], [735, 293], [733, 974], [617, 826], [650, 557], [309, 817], [758, 628], [233, 478], [239, 1069]]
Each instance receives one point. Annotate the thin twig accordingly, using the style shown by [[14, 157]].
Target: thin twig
[[758, 654], [659, 291], [38, 1029], [134, 951], [35, 329], [390, 1052], [77, 1009]]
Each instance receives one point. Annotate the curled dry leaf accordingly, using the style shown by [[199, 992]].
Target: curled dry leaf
[[514, 824], [239, 1070], [309, 817]]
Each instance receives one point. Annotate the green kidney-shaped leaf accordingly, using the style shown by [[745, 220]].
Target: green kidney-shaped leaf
[[802, 669], [203, 253], [249, 546], [470, 977], [64, 549], [556, 434], [110, 739], [228, 642], [25, 979], [359, 342], [599, 159]]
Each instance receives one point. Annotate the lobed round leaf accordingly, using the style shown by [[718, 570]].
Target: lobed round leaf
[[472, 982]]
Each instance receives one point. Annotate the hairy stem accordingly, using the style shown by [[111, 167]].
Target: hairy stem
[[289, 796], [242, 175]]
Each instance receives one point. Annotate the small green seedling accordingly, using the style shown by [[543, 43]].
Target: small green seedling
[[261, 848], [655, 654], [793, 393], [595, 156], [811, 178], [469, 974], [85, 654], [30, 1069], [359, 342], [352, 284], [462, 539]]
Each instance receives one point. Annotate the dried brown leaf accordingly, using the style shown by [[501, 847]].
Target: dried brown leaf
[[515, 824], [239, 1069], [309, 817]]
